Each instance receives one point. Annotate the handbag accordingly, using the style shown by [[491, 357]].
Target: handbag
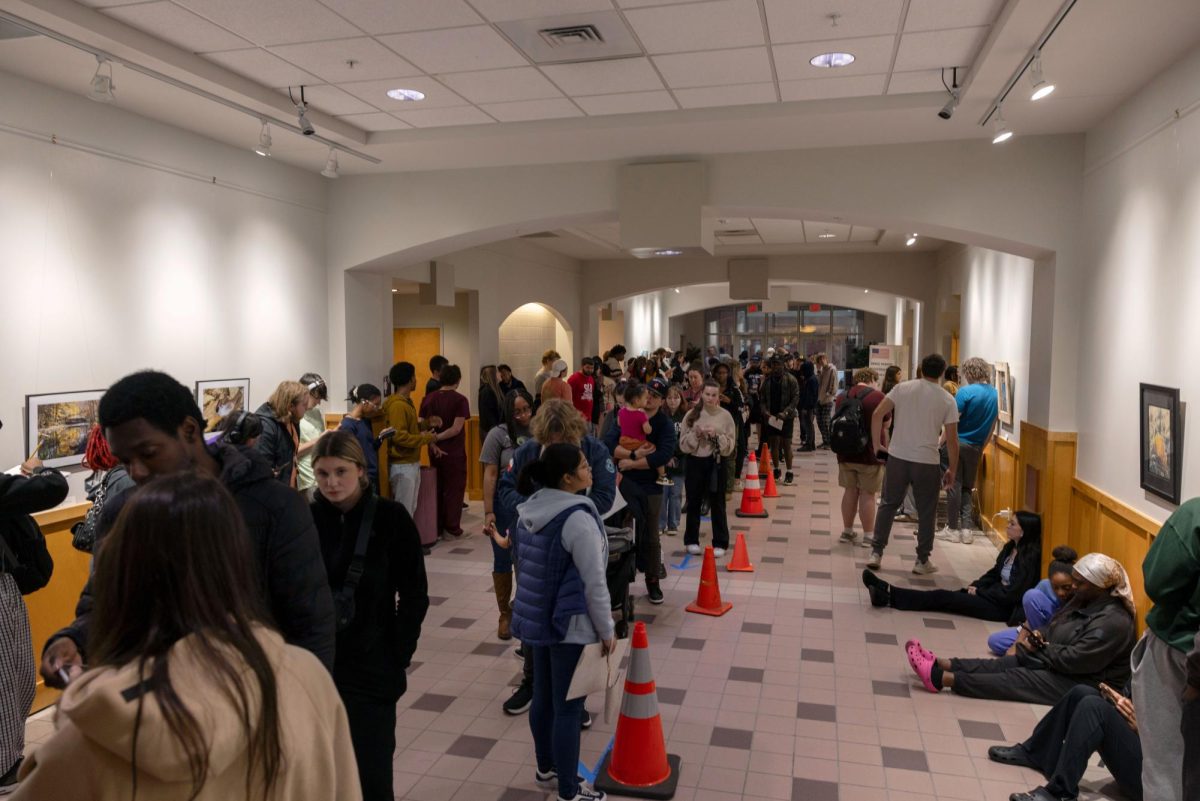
[[343, 601], [83, 533]]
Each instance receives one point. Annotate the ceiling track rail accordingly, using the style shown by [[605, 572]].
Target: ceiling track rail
[[1024, 65], [167, 79]]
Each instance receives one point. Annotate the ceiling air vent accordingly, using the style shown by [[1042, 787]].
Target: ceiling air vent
[[567, 38], [541, 235], [738, 232], [570, 35]]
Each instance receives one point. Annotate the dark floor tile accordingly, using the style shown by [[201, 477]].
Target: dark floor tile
[[490, 649], [820, 503], [877, 638], [824, 712], [819, 614], [820, 551], [819, 532], [521, 794], [731, 738], [458, 623], [815, 655], [647, 619], [746, 674], [820, 575], [432, 702], [980, 730], [813, 790], [670, 695], [756, 628], [938, 623], [462, 550], [688, 644], [820, 517], [777, 539], [435, 600], [781, 507], [782, 522], [470, 746], [905, 759], [922, 582], [901, 536], [772, 560], [896, 689], [908, 557]]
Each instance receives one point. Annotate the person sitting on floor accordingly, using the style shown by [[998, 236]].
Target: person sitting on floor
[[1088, 641], [1040, 603], [996, 595], [1083, 722]]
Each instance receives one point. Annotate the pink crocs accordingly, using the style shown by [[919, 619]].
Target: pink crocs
[[921, 662]]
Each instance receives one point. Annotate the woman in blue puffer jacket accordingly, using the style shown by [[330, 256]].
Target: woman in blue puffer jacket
[[562, 604]]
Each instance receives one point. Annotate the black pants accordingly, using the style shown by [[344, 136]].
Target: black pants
[[1190, 725], [644, 504], [373, 734], [743, 446], [1003, 679], [1079, 725], [705, 477], [807, 442], [952, 602]]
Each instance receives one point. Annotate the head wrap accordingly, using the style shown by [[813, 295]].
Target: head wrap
[[1107, 573]]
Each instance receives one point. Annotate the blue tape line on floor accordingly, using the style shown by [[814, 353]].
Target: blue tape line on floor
[[684, 565], [590, 775]]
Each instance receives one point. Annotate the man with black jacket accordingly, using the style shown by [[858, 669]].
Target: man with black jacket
[[154, 427]]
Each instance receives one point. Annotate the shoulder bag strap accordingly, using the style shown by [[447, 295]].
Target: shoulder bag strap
[[358, 563]]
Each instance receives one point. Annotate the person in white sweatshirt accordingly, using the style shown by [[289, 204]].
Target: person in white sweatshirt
[[708, 436]]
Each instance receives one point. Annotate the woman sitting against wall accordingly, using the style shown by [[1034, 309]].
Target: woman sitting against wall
[[1040, 603]]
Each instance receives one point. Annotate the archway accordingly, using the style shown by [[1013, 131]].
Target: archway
[[527, 332]]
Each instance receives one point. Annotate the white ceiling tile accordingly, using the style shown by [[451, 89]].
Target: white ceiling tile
[[646, 3], [935, 49], [598, 105], [332, 100], [776, 232], [501, 86], [808, 20], [505, 10], [401, 16], [327, 60], [903, 83], [178, 26], [718, 68], [375, 93], [441, 117], [740, 95], [604, 77], [263, 67], [700, 26], [272, 22], [456, 49], [860, 234], [554, 108], [813, 231], [935, 15], [828, 88], [872, 54], [375, 122]]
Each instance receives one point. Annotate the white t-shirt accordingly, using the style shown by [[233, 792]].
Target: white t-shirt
[[922, 408]]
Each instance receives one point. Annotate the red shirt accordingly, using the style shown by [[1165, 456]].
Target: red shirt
[[448, 404], [583, 393], [871, 398]]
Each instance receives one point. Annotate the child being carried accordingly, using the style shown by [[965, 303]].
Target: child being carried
[[635, 425]]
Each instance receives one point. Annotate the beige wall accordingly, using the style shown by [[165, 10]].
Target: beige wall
[[525, 335]]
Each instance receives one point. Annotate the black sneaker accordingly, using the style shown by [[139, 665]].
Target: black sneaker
[[586, 722], [586, 793], [519, 702], [662, 570], [654, 593], [788, 478], [519, 652], [776, 473]]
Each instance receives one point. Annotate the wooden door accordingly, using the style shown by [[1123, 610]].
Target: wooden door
[[417, 345]]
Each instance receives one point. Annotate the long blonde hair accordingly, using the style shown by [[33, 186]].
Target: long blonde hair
[[285, 396]]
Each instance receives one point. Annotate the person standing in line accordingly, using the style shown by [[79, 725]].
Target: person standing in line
[[448, 451], [707, 436], [922, 411], [860, 475], [806, 407], [780, 394], [508, 381], [491, 400], [694, 388], [615, 358], [372, 556], [732, 401], [891, 377], [280, 440], [436, 363], [1161, 691], [754, 379], [826, 392], [583, 390], [367, 403], [549, 357], [737, 378], [978, 416], [311, 428], [671, 508], [951, 382], [555, 386], [409, 434]]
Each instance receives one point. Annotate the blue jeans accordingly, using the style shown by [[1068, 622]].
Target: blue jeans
[[672, 505], [1040, 605], [553, 719]]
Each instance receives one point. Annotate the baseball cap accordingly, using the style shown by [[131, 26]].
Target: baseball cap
[[658, 386]]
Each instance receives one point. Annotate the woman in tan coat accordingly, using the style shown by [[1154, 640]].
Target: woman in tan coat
[[190, 695]]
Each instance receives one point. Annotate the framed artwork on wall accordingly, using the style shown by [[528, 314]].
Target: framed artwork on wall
[[1004, 392], [57, 425], [220, 396], [1162, 441]]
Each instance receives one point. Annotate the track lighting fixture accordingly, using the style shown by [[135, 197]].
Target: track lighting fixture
[[1000, 130], [331, 165], [1041, 87], [305, 126], [102, 85], [264, 141]]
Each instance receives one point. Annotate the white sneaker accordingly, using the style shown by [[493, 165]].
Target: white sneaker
[[586, 793], [718, 552], [924, 568], [847, 535], [874, 560], [968, 535], [694, 550], [948, 534]]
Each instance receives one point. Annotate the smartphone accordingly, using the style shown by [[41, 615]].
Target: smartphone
[[1109, 694]]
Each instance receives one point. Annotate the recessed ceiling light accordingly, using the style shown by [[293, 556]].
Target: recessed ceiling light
[[668, 253], [405, 94], [832, 60], [827, 234], [912, 240], [395, 290]]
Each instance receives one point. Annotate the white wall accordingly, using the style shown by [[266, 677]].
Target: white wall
[[526, 335], [995, 319], [107, 267], [1139, 305], [458, 333]]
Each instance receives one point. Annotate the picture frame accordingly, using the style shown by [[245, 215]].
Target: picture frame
[[1161, 452], [57, 425], [218, 397], [1004, 392]]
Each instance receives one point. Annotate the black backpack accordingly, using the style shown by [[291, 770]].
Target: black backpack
[[850, 429], [23, 553]]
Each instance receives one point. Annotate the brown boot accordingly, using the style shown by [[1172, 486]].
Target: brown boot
[[503, 584]]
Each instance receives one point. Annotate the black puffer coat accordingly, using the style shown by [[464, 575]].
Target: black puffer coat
[[276, 445]]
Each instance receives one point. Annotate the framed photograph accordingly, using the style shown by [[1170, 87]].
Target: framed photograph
[[57, 425], [1162, 441], [1004, 392], [221, 396]]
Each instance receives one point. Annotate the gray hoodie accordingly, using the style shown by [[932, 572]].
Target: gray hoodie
[[585, 540]]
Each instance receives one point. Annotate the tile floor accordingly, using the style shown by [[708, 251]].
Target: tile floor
[[800, 692]]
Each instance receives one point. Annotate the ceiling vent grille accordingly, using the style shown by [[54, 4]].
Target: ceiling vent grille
[[572, 35], [738, 232], [541, 235], [569, 38]]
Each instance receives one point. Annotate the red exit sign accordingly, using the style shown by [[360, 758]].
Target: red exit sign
[[814, 307], [753, 307]]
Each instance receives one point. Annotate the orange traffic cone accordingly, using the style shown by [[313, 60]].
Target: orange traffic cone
[[708, 596], [764, 461], [752, 505], [741, 556], [639, 764], [769, 489]]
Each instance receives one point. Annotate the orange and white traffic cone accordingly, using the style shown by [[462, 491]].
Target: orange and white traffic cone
[[639, 764], [740, 563], [708, 596], [751, 505]]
